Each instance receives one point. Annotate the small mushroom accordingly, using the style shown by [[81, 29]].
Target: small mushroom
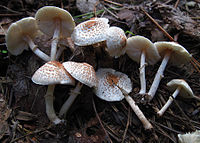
[[115, 41], [50, 74], [115, 86], [142, 50], [20, 36], [182, 88], [90, 32], [193, 137], [82, 72], [55, 22], [174, 53]]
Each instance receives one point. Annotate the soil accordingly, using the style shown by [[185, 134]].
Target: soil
[[90, 119]]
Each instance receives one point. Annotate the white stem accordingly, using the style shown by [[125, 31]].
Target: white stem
[[36, 50], [72, 96], [159, 75], [138, 112], [169, 101], [55, 39], [196, 97], [59, 52], [49, 105], [142, 73], [70, 44]]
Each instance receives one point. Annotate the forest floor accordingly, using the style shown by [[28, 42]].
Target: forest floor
[[90, 119]]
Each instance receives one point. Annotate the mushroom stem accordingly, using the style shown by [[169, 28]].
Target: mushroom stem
[[59, 52], [159, 75], [147, 125], [54, 42], [142, 73], [70, 44], [170, 100], [72, 96], [36, 50], [196, 97], [49, 105]]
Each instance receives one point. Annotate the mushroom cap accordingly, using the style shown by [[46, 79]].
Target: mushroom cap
[[179, 54], [52, 72], [116, 41], [111, 83], [185, 91], [82, 72], [135, 46], [193, 137], [90, 32], [46, 17], [17, 31]]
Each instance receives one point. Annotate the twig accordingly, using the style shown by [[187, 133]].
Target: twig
[[127, 125], [100, 120], [177, 2], [111, 12], [115, 3], [13, 11]]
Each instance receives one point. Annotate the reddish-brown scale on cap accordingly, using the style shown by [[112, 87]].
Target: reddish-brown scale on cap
[[112, 79]]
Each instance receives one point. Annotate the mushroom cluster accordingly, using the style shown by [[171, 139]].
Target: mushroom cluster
[[108, 84]]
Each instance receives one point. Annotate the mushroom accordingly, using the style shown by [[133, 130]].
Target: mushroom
[[115, 41], [193, 137], [142, 50], [82, 72], [90, 32], [50, 74], [182, 88], [115, 86], [172, 52], [55, 22], [20, 36]]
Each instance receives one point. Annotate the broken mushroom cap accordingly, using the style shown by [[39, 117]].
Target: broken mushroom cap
[[111, 83], [47, 16], [17, 31], [137, 44], [185, 91], [82, 72], [90, 32], [52, 72], [179, 54], [116, 41], [193, 137]]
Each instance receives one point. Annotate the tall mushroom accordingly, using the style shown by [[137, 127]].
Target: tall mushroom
[[82, 72], [115, 86], [115, 41], [20, 36], [142, 50], [182, 88], [52, 73], [55, 22], [172, 52]]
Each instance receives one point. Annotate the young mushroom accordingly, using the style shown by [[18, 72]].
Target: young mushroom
[[82, 72], [174, 53], [115, 86], [55, 22], [115, 41], [182, 88], [50, 74], [142, 50], [20, 36]]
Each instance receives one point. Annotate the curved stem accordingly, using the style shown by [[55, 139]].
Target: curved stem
[[159, 75], [49, 105], [59, 52], [169, 101], [138, 112], [36, 50], [142, 73], [196, 97], [72, 96], [55, 39]]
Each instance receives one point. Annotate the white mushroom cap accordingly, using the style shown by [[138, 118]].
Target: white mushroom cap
[[193, 137], [46, 17], [52, 72], [179, 54], [111, 83], [116, 41], [90, 32], [135, 46], [82, 72], [17, 31], [185, 91]]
